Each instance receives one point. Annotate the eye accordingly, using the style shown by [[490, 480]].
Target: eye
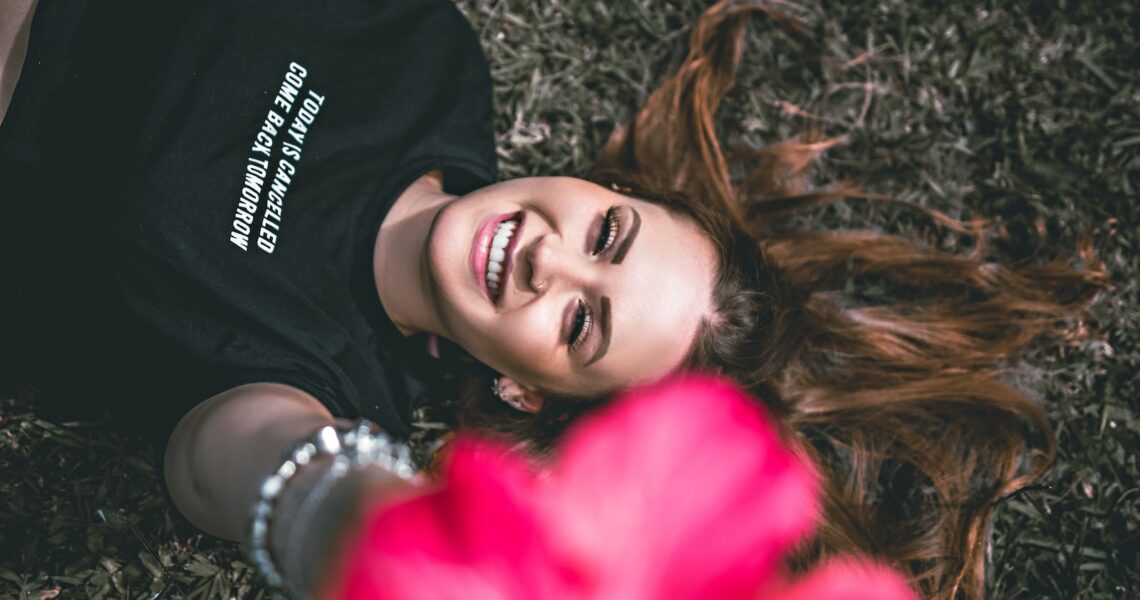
[[583, 322], [611, 227]]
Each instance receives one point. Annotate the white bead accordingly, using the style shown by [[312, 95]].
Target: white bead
[[287, 469], [272, 486], [304, 454], [328, 441]]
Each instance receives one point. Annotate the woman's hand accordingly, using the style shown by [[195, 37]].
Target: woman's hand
[[310, 543], [223, 449]]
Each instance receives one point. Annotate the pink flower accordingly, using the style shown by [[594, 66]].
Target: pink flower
[[680, 490]]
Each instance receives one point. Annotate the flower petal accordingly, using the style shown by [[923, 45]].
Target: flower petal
[[476, 537], [846, 579], [679, 490]]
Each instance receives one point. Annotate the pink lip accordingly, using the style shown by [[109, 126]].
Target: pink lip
[[481, 248]]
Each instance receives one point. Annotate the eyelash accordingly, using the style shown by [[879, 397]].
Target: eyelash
[[583, 323], [584, 316], [611, 227]]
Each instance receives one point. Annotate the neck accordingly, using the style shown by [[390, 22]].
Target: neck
[[399, 264]]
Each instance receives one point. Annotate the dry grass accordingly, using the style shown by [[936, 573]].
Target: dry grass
[[1022, 111]]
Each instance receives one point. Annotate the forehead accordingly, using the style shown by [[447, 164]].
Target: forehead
[[659, 295]]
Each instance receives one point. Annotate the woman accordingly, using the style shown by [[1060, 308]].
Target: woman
[[287, 201]]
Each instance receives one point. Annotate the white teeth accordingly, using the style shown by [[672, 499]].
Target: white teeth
[[501, 238], [498, 254]]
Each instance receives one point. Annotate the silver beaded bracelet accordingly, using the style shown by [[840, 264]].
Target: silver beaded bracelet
[[361, 445]]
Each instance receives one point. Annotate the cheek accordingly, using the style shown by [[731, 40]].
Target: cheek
[[522, 346], [520, 338]]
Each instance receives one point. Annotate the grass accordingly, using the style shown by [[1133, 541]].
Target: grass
[[1022, 111]]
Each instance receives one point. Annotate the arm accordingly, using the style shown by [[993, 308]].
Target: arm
[[15, 24], [222, 449]]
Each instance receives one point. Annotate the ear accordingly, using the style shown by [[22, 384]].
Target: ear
[[529, 399]]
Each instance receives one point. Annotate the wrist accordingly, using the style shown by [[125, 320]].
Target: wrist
[[318, 549], [319, 489]]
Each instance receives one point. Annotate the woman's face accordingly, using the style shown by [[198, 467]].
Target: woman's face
[[568, 287]]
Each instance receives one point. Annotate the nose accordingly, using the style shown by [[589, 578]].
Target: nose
[[552, 265]]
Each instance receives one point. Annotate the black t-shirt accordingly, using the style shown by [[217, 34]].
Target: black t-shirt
[[191, 193]]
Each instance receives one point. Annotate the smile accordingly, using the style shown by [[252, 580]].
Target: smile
[[492, 253]]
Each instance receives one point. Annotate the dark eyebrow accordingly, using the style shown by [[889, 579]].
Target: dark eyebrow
[[604, 313], [604, 321], [623, 247]]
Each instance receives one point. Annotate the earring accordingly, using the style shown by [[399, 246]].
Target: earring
[[498, 391]]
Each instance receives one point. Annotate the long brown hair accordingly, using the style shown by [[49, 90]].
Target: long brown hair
[[898, 400]]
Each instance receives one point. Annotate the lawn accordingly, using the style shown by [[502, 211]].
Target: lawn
[[1024, 112]]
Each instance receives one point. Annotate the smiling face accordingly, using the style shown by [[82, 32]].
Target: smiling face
[[596, 291]]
